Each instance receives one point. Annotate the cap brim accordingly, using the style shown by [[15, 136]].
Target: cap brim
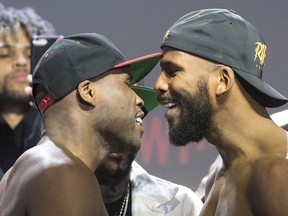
[[148, 95], [142, 66], [262, 92]]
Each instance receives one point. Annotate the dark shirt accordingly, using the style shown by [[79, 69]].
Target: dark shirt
[[113, 209], [1, 174], [13, 142]]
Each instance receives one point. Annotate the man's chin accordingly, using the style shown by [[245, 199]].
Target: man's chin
[[182, 136]]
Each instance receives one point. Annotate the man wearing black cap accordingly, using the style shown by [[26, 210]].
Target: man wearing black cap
[[211, 84], [82, 87]]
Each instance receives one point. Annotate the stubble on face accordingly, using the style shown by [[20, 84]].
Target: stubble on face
[[12, 95], [195, 118]]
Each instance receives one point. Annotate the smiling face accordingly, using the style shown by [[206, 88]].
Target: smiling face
[[15, 66], [120, 108], [183, 88]]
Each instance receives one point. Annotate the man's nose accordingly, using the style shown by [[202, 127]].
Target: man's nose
[[20, 60], [161, 84]]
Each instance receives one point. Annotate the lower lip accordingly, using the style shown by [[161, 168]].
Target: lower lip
[[169, 113], [21, 78], [140, 128]]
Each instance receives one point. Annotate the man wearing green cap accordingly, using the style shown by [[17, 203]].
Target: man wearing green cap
[[82, 87], [211, 84]]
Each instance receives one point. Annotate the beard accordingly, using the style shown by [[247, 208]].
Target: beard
[[195, 118], [13, 97]]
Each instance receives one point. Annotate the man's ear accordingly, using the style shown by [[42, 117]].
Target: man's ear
[[86, 92], [226, 79]]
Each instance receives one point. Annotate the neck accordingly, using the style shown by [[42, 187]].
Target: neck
[[13, 119], [80, 139], [242, 132], [13, 115]]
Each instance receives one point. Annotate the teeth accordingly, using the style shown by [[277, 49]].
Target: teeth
[[169, 105], [139, 120]]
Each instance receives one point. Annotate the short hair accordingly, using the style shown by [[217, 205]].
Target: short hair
[[12, 18]]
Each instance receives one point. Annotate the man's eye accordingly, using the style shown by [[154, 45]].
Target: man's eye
[[4, 53], [172, 72], [128, 83], [28, 52]]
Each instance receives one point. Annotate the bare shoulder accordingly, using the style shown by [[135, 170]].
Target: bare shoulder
[[68, 186], [269, 169], [51, 181], [267, 188]]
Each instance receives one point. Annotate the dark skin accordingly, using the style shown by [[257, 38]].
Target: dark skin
[[48, 185], [56, 177], [253, 148]]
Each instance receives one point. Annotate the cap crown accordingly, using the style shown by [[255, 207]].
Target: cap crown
[[73, 59], [219, 35]]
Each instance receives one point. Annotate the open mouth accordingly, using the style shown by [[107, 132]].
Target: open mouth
[[171, 108], [139, 121], [169, 105]]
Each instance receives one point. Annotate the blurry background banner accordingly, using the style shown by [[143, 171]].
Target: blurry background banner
[[137, 28]]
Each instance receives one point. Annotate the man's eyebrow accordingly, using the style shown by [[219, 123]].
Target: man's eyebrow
[[7, 46], [4, 46], [168, 64]]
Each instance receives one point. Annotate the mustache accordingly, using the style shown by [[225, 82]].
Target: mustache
[[173, 97], [162, 98], [22, 70]]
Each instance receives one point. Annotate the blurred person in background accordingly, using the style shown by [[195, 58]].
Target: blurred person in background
[[20, 124]]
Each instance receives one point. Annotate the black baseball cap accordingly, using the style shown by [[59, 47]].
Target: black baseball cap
[[222, 36], [73, 59]]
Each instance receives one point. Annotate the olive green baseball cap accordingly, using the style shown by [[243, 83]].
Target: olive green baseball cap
[[223, 36]]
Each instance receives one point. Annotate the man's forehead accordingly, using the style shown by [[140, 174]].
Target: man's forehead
[[14, 38], [13, 34], [124, 72], [172, 58], [176, 56]]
